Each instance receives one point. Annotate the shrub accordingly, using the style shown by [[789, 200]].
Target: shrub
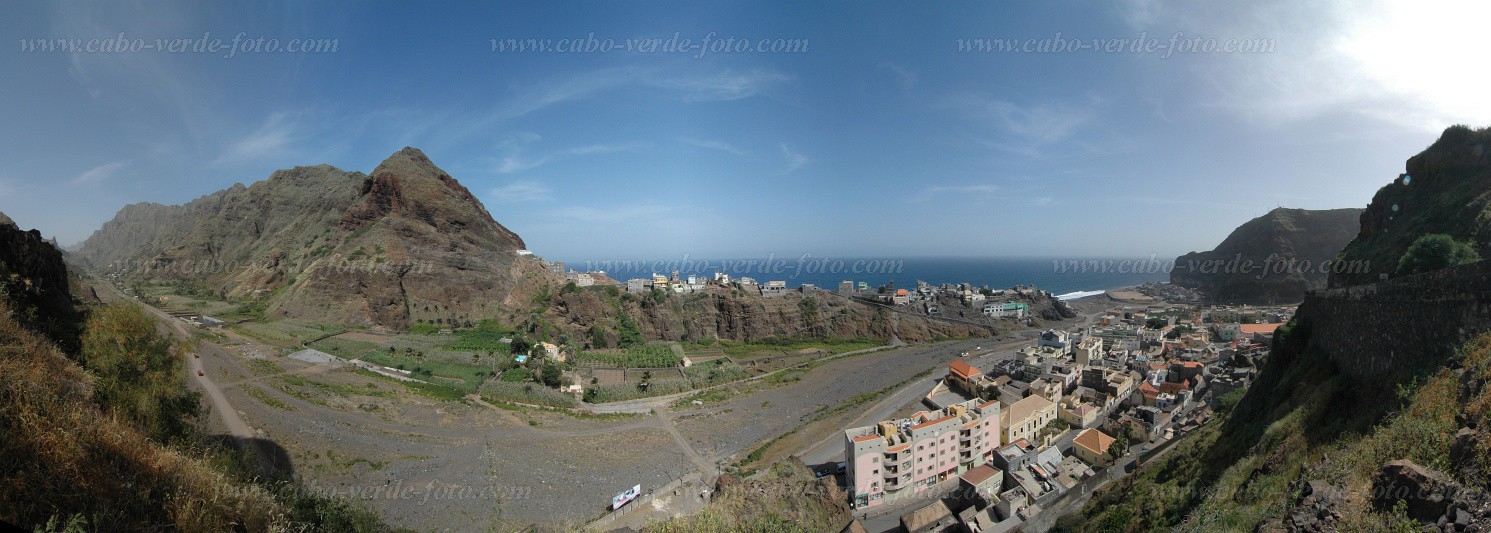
[[139, 371], [1435, 251]]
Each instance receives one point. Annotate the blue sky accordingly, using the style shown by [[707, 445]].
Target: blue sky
[[881, 140]]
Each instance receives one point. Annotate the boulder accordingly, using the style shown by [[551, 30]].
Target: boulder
[[1428, 494]]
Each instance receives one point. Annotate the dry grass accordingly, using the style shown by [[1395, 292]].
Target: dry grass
[[786, 498], [66, 461]]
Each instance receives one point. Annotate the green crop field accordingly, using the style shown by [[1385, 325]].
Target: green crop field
[[479, 341], [644, 356], [469, 377]]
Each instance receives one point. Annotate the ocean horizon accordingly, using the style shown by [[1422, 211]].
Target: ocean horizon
[[1058, 275]]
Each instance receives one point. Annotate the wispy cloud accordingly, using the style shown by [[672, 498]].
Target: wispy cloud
[[713, 145], [272, 140], [722, 86], [518, 163], [906, 76], [980, 191], [98, 174], [522, 191], [794, 159], [717, 86], [1041, 123]]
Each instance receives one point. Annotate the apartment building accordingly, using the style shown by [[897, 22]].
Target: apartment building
[[908, 455]]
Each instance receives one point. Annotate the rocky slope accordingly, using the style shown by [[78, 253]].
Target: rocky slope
[[404, 243], [722, 313], [1274, 258], [34, 282], [1445, 189]]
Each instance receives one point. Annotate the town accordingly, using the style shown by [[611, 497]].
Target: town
[[1013, 440]]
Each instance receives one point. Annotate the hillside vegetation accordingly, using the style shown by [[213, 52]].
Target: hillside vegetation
[[88, 451], [1444, 190], [786, 498], [105, 435]]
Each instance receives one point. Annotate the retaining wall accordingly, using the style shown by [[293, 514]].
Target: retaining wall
[[1402, 324]]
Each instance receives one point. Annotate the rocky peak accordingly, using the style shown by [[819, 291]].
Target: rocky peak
[[6, 221], [408, 186]]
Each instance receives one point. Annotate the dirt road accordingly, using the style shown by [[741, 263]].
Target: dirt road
[[226, 414]]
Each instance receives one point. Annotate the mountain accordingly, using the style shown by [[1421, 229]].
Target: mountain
[[1446, 189], [404, 243], [1249, 266]]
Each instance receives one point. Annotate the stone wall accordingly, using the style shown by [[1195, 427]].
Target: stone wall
[[1403, 324]]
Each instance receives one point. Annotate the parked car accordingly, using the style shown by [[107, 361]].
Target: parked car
[[199, 373]]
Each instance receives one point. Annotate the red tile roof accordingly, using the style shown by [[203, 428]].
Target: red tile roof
[[964, 370], [1149, 391], [1094, 441], [979, 474], [1257, 328]]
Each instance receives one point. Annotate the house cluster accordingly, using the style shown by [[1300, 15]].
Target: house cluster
[[993, 303], [689, 284], [1067, 405]]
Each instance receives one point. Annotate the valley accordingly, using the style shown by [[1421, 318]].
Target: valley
[[433, 458]]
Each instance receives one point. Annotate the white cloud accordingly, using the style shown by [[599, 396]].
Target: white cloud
[[713, 145], [522, 191], [518, 163], [794, 159], [98, 174], [980, 191], [272, 140], [1405, 63], [718, 86], [1041, 123], [723, 86]]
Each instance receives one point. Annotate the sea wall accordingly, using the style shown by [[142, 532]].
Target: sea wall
[[1402, 324]]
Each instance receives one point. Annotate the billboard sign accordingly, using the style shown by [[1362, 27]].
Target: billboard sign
[[627, 496]]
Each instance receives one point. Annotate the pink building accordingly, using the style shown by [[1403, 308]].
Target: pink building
[[918, 452]]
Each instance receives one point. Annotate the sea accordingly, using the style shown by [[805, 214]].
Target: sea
[[1068, 277]]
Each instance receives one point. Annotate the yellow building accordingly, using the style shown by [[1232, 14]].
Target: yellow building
[[1023, 419], [1093, 446]]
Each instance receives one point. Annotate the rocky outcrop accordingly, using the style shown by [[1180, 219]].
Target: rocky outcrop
[[1445, 189], [1427, 496], [35, 284], [721, 313], [402, 244], [1271, 259]]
